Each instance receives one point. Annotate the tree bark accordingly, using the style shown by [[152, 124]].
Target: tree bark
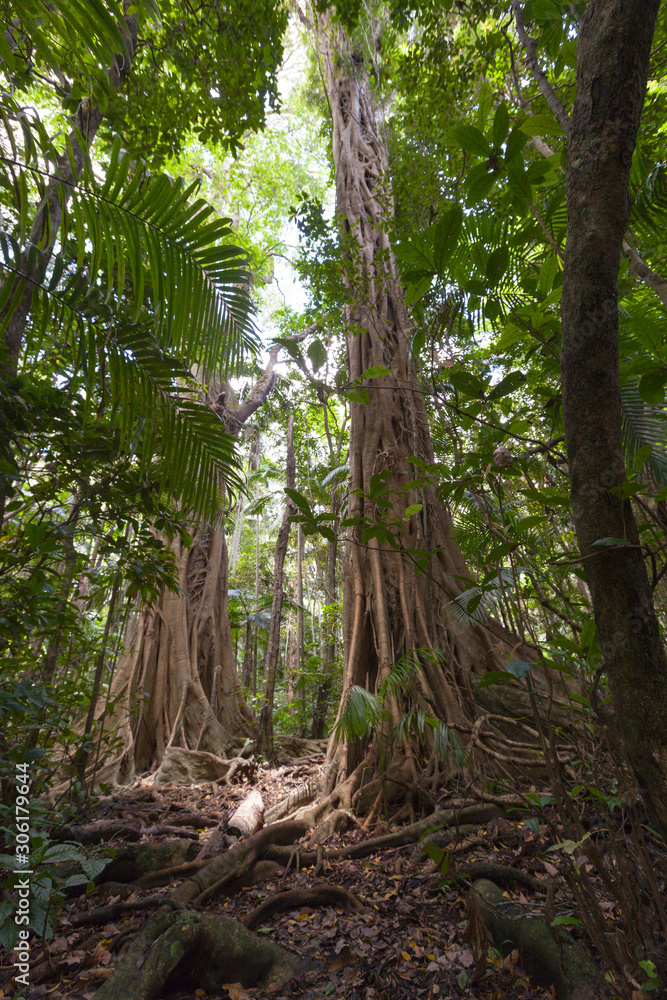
[[265, 736], [179, 683], [328, 636], [389, 608], [613, 52]]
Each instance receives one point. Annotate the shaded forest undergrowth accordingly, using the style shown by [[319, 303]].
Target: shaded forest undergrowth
[[361, 911]]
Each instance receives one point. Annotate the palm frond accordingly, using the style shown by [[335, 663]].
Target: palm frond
[[361, 713], [644, 425], [649, 204], [144, 285], [68, 32]]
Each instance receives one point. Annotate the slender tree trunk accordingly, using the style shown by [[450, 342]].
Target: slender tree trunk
[[246, 673], [300, 542], [389, 608], [613, 51], [265, 736], [328, 637]]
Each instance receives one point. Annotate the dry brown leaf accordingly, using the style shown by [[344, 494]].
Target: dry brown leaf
[[236, 991]]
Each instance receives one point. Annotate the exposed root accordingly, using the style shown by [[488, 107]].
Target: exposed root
[[503, 874], [238, 860], [204, 950], [408, 835], [549, 955], [318, 895], [103, 914], [97, 833], [189, 767]]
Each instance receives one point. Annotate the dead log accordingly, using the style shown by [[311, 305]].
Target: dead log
[[301, 796], [317, 895], [249, 817], [549, 955], [199, 950]]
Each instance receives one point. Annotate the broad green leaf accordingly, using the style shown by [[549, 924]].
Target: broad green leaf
[[484, 101], [377, 371], [501, 125], [467, 383], [317, 353], [471, 139], [652, 386], [507, 385]]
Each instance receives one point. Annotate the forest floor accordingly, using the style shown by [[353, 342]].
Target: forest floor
[[408, 942]]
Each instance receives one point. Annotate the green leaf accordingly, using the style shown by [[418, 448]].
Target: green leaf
[[300, 501], [484, 101], [445, 236], [467, 383], [317, 353], [519, 182], [508, 384], [376, 371], [501, 125], [544, 124], [652, 387], [471, 139], [497, 264]]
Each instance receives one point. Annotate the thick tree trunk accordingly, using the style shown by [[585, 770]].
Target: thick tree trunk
[[613, 51], [389, 608], [177, 645], [265, 736], [178, 685]]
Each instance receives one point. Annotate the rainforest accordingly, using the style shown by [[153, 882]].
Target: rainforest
[[333, 499]]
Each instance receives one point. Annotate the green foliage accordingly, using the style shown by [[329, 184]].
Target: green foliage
[[144, 286], [364, 712], [55, 868]]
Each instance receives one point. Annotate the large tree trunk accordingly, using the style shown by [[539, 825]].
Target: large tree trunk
[[181, 662], [389, 608], [178, 683], [613, 51]]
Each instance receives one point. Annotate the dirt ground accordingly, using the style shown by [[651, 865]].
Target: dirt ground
[[409, 941]]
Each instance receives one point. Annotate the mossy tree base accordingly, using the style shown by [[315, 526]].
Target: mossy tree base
[[198, 951]]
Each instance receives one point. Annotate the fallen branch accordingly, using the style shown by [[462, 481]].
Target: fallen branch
[[318, 895]]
